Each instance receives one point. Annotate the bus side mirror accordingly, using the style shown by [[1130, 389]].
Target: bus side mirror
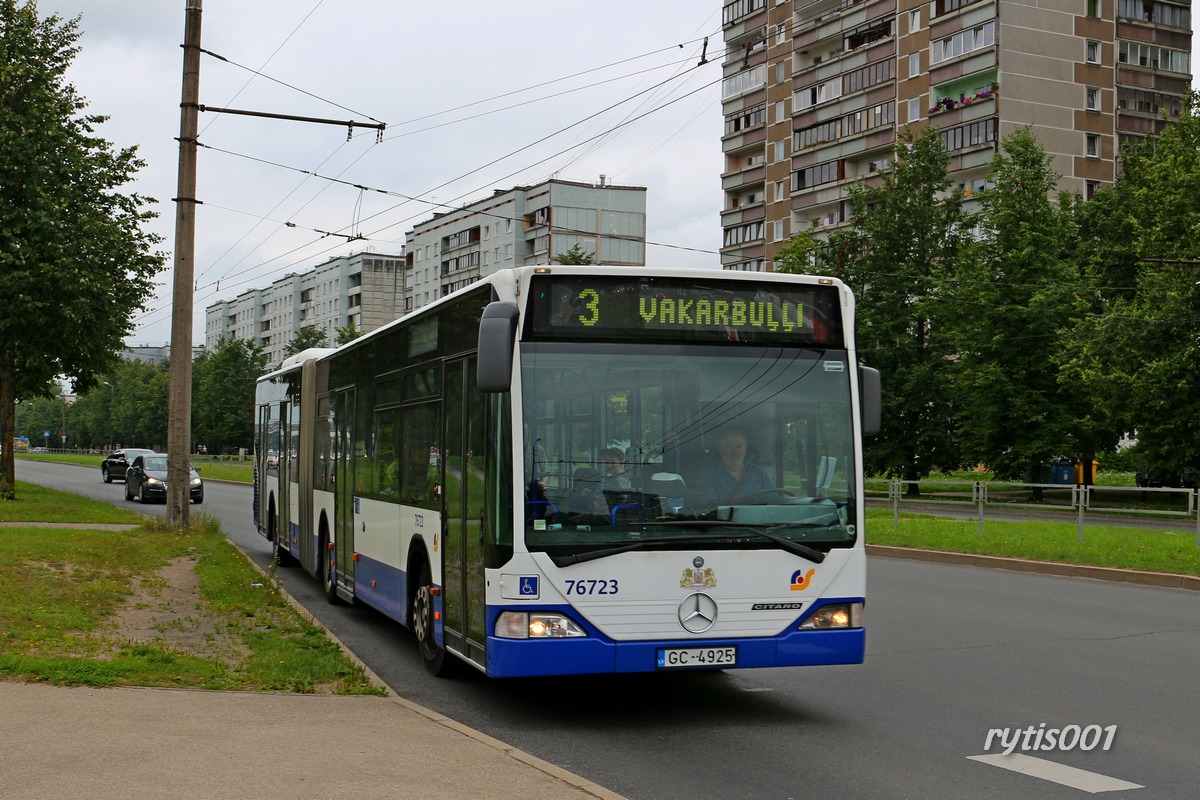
[[497, 337], [870, 399]]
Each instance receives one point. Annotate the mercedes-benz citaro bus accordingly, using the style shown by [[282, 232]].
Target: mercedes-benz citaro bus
[[568, 470]]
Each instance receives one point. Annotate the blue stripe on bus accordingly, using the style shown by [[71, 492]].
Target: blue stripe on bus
[[390, 589], [596, 653]]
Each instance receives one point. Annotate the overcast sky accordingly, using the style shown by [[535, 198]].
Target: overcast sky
[[476, 96]]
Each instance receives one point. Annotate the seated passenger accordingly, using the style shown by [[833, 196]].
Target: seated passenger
[[612, 462], [734, 478]]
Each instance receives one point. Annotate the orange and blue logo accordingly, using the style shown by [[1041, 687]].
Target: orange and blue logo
[[801, 579]]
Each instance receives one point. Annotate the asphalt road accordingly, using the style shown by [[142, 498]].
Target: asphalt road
[[953, 653]]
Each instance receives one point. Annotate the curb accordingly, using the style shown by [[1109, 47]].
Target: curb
[[551, 770], [1166, 580]]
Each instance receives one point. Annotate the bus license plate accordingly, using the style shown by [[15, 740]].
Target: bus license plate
[[677, 657]]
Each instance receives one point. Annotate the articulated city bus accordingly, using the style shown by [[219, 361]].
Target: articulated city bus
[[568, 470]]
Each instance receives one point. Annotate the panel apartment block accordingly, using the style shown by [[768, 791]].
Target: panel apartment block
[[816, 92]]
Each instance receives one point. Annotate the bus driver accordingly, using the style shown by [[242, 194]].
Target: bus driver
[[734, 477]]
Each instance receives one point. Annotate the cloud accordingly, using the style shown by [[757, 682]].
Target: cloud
[[474, 97]]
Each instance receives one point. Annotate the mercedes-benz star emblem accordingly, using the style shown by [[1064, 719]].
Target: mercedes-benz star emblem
[[697, 612]]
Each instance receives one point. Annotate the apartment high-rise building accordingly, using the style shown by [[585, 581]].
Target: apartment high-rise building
[[513, 227], [362, 289], [523, 225], [816, 91]]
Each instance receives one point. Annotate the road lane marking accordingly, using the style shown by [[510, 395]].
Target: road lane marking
[[1092, 782]]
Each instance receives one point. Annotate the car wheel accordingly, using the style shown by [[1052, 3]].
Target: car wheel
[[104, 473], [432, 656], [125, 492], [143, 498]]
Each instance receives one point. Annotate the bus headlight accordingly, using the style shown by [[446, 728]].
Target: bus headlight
[[834, 615], [535, 625]]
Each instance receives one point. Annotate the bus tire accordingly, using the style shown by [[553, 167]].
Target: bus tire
[[279, 549], [328, 581], [432, 656]]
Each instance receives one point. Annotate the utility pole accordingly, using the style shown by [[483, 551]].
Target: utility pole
[[179, 413]]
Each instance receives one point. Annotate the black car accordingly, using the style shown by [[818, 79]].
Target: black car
[[147, 479], [115, 463]]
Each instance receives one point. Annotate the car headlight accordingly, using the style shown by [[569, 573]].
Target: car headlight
[[195, 481], [535, 625], [154, 481], [834, 615]]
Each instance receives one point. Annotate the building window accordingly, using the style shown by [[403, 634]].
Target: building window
[[914, 65], [914, 20], [941, 7], [965, 41], [969, 135], [745, 81], [818, 175], [781, 109], [781, 34], [869, 34], [1090, 188], [872, 74], [914, 109], [820, 93], [1093, 8], [741, 234], [780, 150], [1093, 99], [740, 120], [740, 8], [780, 194], [1146, 55], [1158, 13], [1093, 52], [779, 233], [1092, 145]]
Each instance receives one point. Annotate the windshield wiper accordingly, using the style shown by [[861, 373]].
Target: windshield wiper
[[592, 555], [802, 550]]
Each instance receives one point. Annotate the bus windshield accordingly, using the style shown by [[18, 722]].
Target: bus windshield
[[678, 445]]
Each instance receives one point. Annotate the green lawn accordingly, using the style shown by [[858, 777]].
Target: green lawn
[[64, 593], [213, 467], [1103, 546]]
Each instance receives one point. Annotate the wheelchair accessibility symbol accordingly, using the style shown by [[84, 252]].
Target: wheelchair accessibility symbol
[[528, 586]]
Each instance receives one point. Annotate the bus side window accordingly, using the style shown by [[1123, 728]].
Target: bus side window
[[418, 438]]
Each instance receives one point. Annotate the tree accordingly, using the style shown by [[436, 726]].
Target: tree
[[306, 337], [575, 256], [75, 259], [904, 232], [223, 394], [347, 334], [1008, 308], [1135, 350]]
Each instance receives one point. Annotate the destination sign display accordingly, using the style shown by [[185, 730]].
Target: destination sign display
[[683, 309]]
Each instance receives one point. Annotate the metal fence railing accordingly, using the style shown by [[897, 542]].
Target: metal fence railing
[[1066, 499]]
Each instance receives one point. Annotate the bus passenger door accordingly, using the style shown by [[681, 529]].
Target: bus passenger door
[[463, 493], [343, 476]]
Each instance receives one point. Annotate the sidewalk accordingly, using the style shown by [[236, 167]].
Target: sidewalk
[[113, 744]]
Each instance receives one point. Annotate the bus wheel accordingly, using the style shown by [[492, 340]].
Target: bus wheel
[[279, 549], [327, 578], [432, 656]]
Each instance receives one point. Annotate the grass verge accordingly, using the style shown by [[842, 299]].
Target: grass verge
[[65, 592], [1103, 546], [35, 503], [208, 466]]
